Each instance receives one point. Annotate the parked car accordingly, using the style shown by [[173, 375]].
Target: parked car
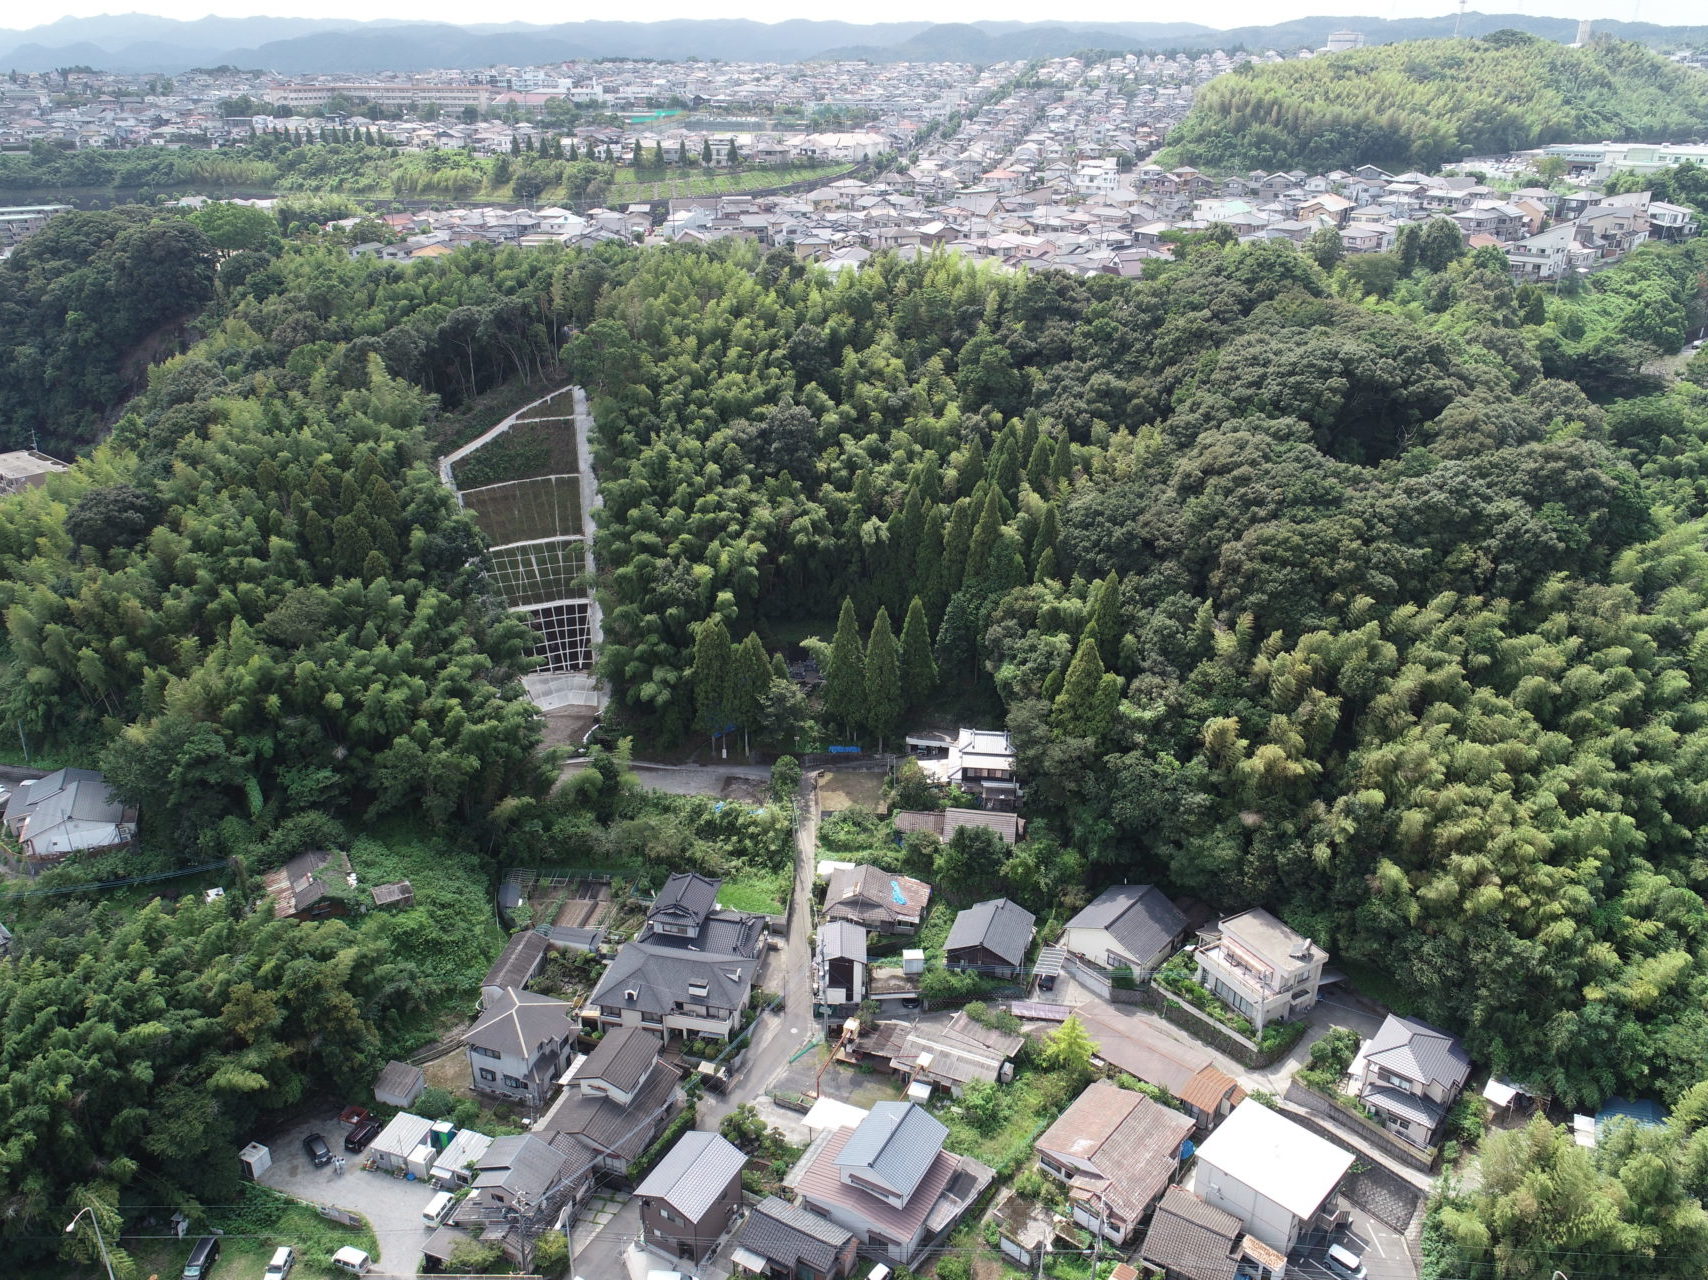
[[284, 1258], [353, 1260], [1345, 1263], [359, 1137], [203, 1254], [317, 1151]]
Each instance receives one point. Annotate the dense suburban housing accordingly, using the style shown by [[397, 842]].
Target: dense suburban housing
[[1273, 1175], [1116, 1150], [692, 1197], [882, 901]]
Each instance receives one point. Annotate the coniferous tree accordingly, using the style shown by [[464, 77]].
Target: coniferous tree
[[714, 661], [1106, 620], [918, 668], [750, 680], [1085, 708], [845, 678], [883, 679]]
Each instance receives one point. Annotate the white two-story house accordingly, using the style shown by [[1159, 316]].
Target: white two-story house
[[519, 1046], [1265, 970]]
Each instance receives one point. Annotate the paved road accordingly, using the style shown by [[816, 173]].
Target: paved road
[[603, 1252], [783, 1032]]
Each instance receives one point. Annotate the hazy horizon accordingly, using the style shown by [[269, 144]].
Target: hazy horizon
[[1230, 13]]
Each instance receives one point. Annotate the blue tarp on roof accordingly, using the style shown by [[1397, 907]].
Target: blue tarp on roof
[[1643, 1111], [896, 895]]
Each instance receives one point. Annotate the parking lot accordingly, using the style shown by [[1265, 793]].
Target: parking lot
[[391, 1205], [1382, 1248]]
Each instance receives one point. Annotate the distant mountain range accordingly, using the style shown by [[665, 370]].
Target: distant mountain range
[[139, 43]]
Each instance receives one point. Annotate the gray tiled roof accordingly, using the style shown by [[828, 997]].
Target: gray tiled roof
[[686, 899], [1419, 1052], [998, 925], [1406, 1106], [1191, 1239], [517, 1022], [694, 1174], [897, 1141], [787, 1234], [524, 1165], [1138, 916], [518, 962], [842, 940], [660, 977], [622, 1058], [607, 1127]]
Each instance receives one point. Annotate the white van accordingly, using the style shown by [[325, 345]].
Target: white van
[[438, 1209], [353, 1260], [1345, 1263], [284, 1258]]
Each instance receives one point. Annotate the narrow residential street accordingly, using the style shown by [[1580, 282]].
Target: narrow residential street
[[602, 1248]]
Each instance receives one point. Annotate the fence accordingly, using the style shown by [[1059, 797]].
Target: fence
[[1362, 1127], [1100, 982]]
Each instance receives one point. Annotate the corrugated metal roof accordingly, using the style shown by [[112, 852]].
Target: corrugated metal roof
[[1419, 1052], [694, 1174], [896, 1142]]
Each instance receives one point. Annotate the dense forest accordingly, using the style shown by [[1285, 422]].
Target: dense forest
[[1371, 590], [1359, 607], [1425, 103]]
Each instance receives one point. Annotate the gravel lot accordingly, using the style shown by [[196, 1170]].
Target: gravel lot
[[391, 1205]]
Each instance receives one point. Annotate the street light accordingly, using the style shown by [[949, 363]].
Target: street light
[[100, 1243]]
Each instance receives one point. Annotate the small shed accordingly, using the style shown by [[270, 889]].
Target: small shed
[[398, 894], [255, 1160], [399, 1084], [398, 1140], [518, 964]]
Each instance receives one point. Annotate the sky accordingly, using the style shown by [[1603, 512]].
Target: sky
[[1216, 13]]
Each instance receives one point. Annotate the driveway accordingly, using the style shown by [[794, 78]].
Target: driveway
[[391, 1205], [1382, 1248]]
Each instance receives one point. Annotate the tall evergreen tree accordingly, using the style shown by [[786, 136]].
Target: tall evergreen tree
[[918, 668], [845, 678], [714, 661], [750, 679], [1086, 706], [1061, 470], [1038, 466], [928, 564], [1106, 620], [883, 679], [955, 539], [983, 537]]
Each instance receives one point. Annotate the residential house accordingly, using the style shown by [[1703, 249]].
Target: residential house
[[521, 1187], [692, 1197], [990, 937], [1127, 926], [616, 1100], [1410, 1074], [311, 886], [782, 1241], [519, 1045], [841, 958], [980, 761], [1191, 1240], [882, 901], [1210, 1096], [69, 811], [689, 971], [953, 1056], [1116, 1150], [26, 468], [1273, 1175], [889, 1181], [517, 965], [944, 823], [1260, 967]]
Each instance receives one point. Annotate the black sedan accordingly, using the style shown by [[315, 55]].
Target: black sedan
[[317, 1150]]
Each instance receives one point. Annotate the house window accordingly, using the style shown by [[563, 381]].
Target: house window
[[652, 1019], [511, 1082], [484, 1052], [488, 1075]]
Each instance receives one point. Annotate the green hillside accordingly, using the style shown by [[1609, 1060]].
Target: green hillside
[[1423, 104]]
